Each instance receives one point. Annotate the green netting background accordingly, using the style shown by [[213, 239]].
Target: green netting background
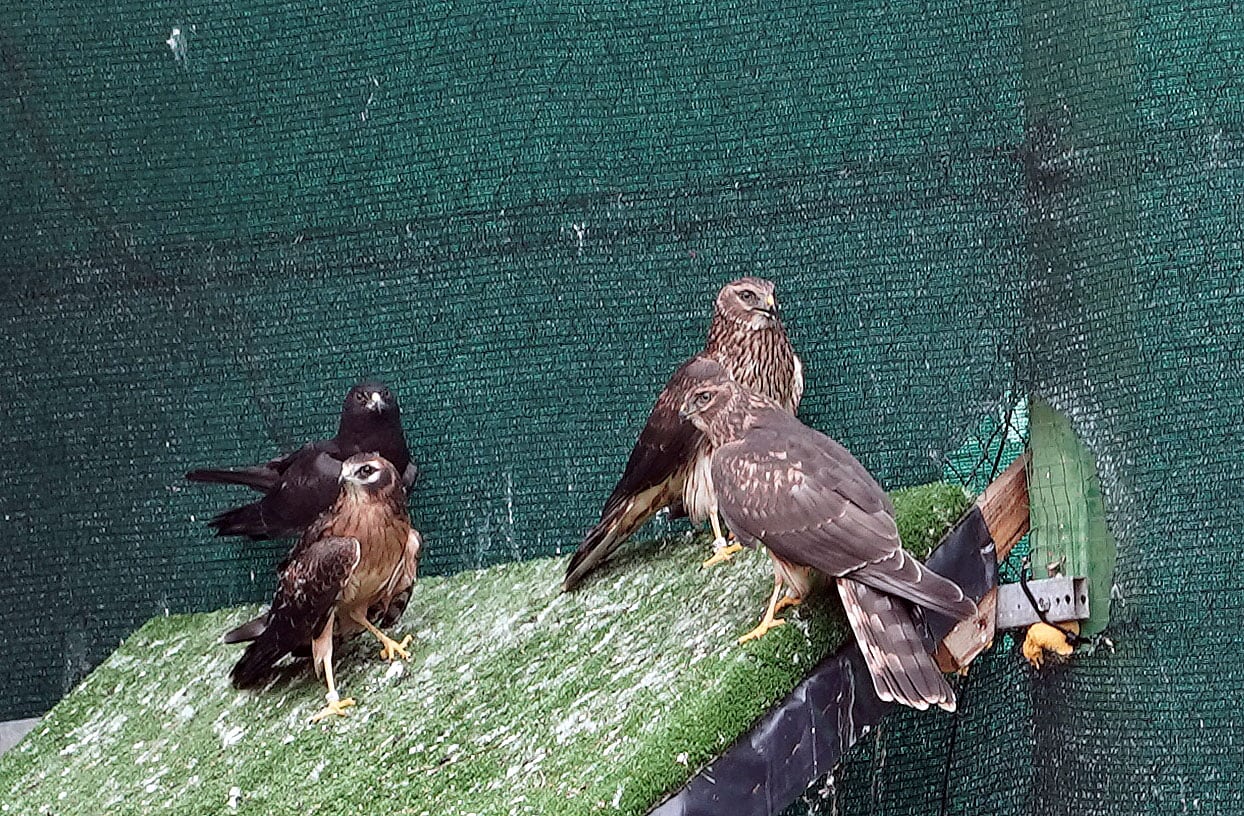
[[517, 214]]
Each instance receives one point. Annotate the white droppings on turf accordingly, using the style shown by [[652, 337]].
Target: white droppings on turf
[[229, 735]]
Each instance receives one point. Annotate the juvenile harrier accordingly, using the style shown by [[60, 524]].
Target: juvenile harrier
[[299, 486], [668, 467], [354, 563], [814, 507]]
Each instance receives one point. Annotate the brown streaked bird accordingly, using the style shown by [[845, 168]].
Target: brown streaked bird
[[298, 486], [357, 561], [814, 507], [668, 467]]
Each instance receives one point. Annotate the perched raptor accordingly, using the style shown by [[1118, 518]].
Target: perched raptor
[[355, 563], [299, 486], [668, 467], [814, 507]]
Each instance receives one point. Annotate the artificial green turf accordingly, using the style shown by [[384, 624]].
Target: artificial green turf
[[516, 700]]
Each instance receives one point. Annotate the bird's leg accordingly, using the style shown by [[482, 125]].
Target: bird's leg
[[392, 649], [336, 706], [722, 550], [787, 601], [768, 621]]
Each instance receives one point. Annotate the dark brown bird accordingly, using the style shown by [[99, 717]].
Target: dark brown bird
[[299, 486], [357, 561], [814, 507], [668, 467]]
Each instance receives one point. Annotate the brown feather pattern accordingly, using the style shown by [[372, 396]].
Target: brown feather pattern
[[813, 505], [358, 556], [668, 466]]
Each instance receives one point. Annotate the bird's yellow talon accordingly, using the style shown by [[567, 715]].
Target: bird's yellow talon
[[721, 553], [760, 630], [393, 650], [334, 708]]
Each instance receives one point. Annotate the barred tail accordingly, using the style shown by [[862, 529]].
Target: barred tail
[[902, 669], [903, 575]]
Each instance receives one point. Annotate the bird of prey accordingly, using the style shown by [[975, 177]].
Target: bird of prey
[[814, 507], [298, 486], [355, 563], [668, 467]]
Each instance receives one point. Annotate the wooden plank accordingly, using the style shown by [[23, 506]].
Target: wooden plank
[[1004, 506]]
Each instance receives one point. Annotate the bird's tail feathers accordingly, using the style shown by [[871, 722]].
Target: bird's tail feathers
[[614, 528], [258, 478], [256, 662], [903, 575], [598, 545], [251, 630], [902, 669], [247, 520]]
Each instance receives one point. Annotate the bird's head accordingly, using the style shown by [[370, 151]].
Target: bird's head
[[371, 396], [369, 401], [368, 473], [711, 393], [750, 301]]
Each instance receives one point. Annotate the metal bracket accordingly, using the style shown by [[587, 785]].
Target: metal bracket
[[1061, 598]]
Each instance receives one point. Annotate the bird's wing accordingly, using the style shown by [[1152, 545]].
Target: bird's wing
[[665, 446], [263, 478], [654, 477], [311, 583], [806, 498], [308, 486], [282, 463], [796, 393], [897, 657]]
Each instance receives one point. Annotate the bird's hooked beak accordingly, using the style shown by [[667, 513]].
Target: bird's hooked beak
[[375, 402], [684, 414]]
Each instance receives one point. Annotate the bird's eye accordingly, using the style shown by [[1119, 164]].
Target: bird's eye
[[748, 296], [365, 471], [703, 398]]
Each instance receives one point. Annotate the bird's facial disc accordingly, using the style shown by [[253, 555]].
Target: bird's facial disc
[[703, 401], [756, 302], [367, 472]]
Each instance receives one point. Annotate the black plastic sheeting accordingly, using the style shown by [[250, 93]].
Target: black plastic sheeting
[[805, 736]]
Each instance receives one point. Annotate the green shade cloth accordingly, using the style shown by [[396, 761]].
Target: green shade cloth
[[517, 214]]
